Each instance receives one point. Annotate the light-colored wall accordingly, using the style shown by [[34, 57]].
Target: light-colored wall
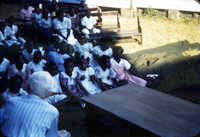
[[182, 5]]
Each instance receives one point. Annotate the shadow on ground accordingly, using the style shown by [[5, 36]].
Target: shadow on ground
[[176, 70]]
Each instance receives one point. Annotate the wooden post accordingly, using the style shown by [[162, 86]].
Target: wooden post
[[173, 14], [197, 17]]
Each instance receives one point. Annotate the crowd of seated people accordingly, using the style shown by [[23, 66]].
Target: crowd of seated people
[[94, 68], [78, 65]]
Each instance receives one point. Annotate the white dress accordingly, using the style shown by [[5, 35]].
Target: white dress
[[90, 87], [104, 75]]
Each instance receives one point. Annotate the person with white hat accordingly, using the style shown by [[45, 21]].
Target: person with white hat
[[31, 115]]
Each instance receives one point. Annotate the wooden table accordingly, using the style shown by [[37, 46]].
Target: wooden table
[[160, 113]]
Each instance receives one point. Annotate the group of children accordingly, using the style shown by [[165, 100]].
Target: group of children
[[79, 65]]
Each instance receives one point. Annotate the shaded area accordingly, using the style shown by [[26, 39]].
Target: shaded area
[[175, 70]]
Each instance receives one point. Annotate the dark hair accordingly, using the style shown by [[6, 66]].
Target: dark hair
[[52, 68], [19, 63], [15, 83], [67, 61], [11, 20], [37, 57], [3, 84], [104, 61]]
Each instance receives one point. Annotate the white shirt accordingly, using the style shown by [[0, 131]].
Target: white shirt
[[36, 67], [37, 17], [57, 87], [46, 23], [97, 51], [10, 31], [2, 36], [70, 79], [86, 47], [88, 22], [4, 65], [28, 116]]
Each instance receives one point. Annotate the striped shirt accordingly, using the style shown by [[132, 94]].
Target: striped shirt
[[28, 116]]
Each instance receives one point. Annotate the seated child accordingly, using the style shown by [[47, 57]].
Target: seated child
[[37, 64], [105, 73], [89, 23], [11, 35], [86, 75]]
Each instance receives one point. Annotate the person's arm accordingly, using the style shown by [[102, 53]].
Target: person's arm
[[53, 130], [1, 115]]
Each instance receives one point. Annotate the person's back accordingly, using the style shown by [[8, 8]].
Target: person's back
[[28, 116]]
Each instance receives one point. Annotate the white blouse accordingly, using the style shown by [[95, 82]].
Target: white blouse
[[37, 67], [122, 63]]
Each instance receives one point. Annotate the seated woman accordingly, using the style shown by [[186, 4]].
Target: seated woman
[[121, 66], [11, 35], [37, 64]]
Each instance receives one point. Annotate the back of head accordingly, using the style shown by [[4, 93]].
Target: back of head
[[15, 83], [37, 57], [41, 83]]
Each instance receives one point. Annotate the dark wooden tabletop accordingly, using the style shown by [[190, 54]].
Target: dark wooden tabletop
[[160, 113]]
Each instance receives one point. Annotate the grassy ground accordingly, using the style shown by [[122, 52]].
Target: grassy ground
[[170, 48]]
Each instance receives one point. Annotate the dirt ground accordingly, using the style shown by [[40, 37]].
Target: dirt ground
[[170, 48]]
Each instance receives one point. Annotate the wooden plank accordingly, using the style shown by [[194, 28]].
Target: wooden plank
[[160, 113], [121, 34], [106, 13]]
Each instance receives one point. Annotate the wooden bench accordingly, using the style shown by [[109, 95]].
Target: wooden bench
[[158, 112], [119, 35]]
